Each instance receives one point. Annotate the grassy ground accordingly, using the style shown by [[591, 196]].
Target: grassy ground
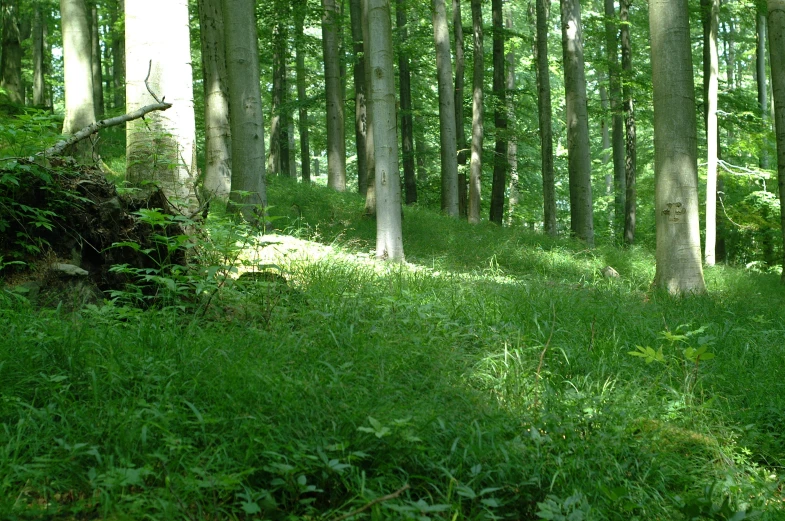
[[492, 374]]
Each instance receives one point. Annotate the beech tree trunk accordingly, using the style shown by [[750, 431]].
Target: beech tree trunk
[[302, 96], [389, 238], [360, 109], [447, 132], [499, 185], [512, 141], [763, 91], [630, 144], [617, 126], [776, 27], [78, 74], [218, 134], [678, 254], [278, 161], [544, 116], [95, 47], [118, 52], [712, 8], [407, 123], [578, 151], [336, 146], [11, 60], [39, 83], [475, 175], [460, 132], [245, 107], [370, 154]]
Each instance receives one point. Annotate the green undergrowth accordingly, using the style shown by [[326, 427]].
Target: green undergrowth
[[492, 374]]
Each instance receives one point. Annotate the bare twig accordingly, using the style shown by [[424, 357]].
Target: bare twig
[[372, 503], [149, 69]]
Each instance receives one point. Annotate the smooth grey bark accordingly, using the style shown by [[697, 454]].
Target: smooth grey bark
[[389, 237], [630, 142], [512, 141], [78, 74], [407, 121], [95, 47], [278, 159], [245, 107], [39, 83], [117, 19], [360, 109], [218, 134], [302, 96], [336, 146], [678, 253], [499, 184], [478, 76], [712, 11], [447, 136], [617, 125], [578, 151], [544, 116], [763, 97], [370, 154], [776, 27], [13, 33], [460, 131]]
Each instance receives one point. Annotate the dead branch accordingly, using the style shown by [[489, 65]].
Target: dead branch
[[372, 503]]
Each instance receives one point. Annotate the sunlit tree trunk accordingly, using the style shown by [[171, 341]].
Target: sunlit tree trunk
[[78, 74], [712, 10], [39, 83], [389, 241], [302, 96], [11, 60], [776, 26], [544, 116], [678, 254], [407, 121], [336, 146], [499, 185], [360, 109], [447, 136], [161, 148], [218, 135], [617, 125], [578, 152], [475, 175], [460, 131], [763, 94], [95, 46]]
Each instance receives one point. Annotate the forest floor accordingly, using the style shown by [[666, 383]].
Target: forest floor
[[495, 375]]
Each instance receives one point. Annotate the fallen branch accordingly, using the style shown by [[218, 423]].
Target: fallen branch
[[372, 503], [98, 125]]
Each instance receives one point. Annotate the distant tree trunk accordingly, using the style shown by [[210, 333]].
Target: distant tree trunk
[[291, 147], [419, 154], [617, 126], [776, 28], [39, 84], [336, 146], [460, 132], [763, 97], [11, 61], [499, 185], [245, 106], [544, 115], [218, 134], [679, 269], [98, 81], [118, 52], [606, 141], [712, 9], [370, 154], [78, 74], [360, 115], [389, 237], [447, 136], [302, 97], [478, 76], [512, 142], [631, 146], [407, 122], [278, 160], [578, 152]]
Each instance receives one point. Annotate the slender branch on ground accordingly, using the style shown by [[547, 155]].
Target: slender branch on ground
[[372, 503]]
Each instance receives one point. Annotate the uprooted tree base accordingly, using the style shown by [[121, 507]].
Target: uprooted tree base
[[64, 213]]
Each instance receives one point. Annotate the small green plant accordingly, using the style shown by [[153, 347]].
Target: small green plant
[[572, 508]]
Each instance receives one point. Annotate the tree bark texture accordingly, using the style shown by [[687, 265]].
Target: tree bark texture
[[544, 115], [95, 46], [370, 154], [478, 75], [678, 253], [499, 185], [117, 19], [336, 146], [578, 151], [302, 96], [78, 74], [360, 109], [763, 91], [447, 135], [460, 132], [713, 11], [630, 143], [407, 122], [776, 27], [218, 135], [39, 83], [278, 160], [11, 60], [617, 125], [512, 140], [389, 238]]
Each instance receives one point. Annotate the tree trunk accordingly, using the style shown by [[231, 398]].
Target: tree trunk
[[630, 144], [78, 74], [606, 141], [678, 256], [763, 98], [218, 134], [447, 136], [360, 109], [475, 175], [578, 152], [302, 96], [162, 148], [460, 132], [776, 28], [98, 81], [712, 8], [544, 116], [389, 241], [118, 52], [499, 185], [11, 61], [278, 161], [39, 83], [617, 129], [336, 146], [407, 123], [370, 155], [512, 142], [245, 106], [290, 141]]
